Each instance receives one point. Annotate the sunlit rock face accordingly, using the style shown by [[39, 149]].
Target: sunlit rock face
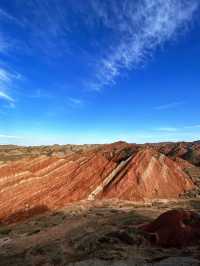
[[149, 175]]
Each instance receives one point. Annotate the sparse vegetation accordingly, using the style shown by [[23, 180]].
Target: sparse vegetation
[[34, 231], [130, 218], [4, 231], [56, 259], [37, 250]]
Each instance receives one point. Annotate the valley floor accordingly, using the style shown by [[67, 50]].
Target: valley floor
[[100, 233]]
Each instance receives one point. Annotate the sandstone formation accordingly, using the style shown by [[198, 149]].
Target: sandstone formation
[[33, 185], [149, 175]]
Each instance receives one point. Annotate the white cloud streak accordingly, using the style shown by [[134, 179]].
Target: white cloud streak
[[75, 102], [6, 97], [168, 106], [186, 129], [45, 23], [9, 136], [5, 76], [167, 129], [7, 79], [49, 26], [3, 44], [193, 127], [138, 27], [8, 17]]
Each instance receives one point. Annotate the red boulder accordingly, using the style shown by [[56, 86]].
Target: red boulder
[[174, 228]]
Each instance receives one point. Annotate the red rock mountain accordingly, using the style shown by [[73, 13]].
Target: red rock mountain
[[32, 185], [189, 151], [149, 175]]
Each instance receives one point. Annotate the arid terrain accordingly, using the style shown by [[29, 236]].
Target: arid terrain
[[86, 204]]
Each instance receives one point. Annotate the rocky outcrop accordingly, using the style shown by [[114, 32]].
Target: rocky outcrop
[[108, 180], [174, 228]]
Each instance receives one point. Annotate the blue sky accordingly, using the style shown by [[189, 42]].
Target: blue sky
[[98, 71]]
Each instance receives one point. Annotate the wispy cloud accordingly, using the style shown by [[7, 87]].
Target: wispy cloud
[[48, 26], [40, 94], [3, 44], [193, 127], [6, 41], [168, 106], [9, 17], [179, 130], [134, 29], [167, 129], [6, 97], [75, 101], [138, 28], [44, 22], [9, 136], [7, 78]]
